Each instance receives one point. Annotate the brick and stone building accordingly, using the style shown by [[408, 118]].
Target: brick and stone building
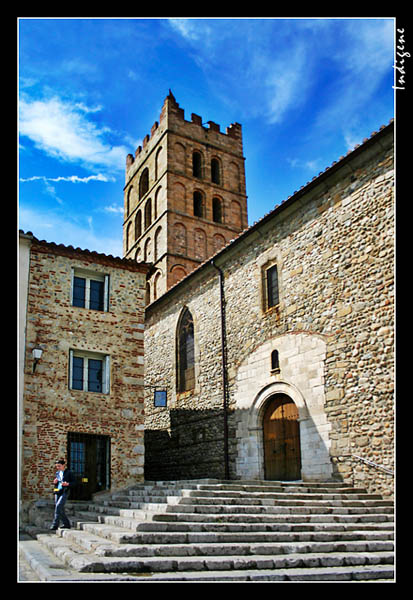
[[83, 399], [277, 350]]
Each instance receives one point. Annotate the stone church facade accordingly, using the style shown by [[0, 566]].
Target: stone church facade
[[276, 351]]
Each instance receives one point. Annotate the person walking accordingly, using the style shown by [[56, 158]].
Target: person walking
[[63, 481]]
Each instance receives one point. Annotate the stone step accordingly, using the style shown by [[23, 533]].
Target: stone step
[[281, 507], [127, 536], [281, 500], [359, 574], [101, 546], [283, 497], [241, 527], [161, 489], [240, 522], [217, 483], [159, 521], [84, 563], [145, 511], [278, 487], [224, 495], [267, 518], [223, 489]]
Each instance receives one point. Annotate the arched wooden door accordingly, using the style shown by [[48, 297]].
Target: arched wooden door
[[282, 455]]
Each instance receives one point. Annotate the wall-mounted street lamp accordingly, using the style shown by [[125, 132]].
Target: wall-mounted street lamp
[[37, 355]]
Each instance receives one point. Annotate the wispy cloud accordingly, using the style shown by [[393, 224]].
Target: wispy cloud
[[114, 208], [71, 178], [280, 62], [63, 130], [311, 165]]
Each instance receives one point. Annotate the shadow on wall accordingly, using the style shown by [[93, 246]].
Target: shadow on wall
[[193, 446]]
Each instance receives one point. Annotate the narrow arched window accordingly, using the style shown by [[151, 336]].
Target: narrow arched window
[[138, 225], [198, 205], [144, 183], [148, 213], [128, 202], [127, 237], [273, 297], [216, 210], [197, 165], [215, 174], [185, 353], [275, 362]]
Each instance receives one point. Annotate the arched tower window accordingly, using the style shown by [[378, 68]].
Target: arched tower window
[[198, 205], [197, 165], [148, 213], [215, 171], [144, 183], [185, 353], [128, 201], [138, 225], [127, 240], [216, 210]]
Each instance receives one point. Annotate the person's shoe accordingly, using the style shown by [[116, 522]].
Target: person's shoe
[[52, 528], [66, 527]]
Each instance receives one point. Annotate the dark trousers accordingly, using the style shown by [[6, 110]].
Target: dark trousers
[[59, 512]]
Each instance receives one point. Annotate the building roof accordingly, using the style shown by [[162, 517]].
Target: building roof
[[328, 171], [71, 252]]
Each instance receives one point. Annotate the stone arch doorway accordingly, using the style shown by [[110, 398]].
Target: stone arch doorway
[[281, 439]]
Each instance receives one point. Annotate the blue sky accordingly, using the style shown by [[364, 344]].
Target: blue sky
[[305, 91]]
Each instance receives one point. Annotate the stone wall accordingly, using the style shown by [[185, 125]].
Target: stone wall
[[333, 244], [51, 408]]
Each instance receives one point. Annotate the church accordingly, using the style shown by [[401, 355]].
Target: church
[[272, 344], [213, 348]]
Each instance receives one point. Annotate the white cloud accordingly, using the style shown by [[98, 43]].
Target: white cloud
[[71, 178], [311, 165], [62, 130], [113, 208], [286, 82]]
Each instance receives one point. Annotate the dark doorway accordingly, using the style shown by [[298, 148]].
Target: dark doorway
[[89, 460]]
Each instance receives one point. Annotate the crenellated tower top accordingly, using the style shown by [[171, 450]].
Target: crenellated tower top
[[185, 194]]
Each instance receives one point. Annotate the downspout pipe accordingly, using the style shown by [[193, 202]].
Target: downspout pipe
[[224, 367]]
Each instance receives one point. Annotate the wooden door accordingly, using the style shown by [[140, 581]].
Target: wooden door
[[282, 457]]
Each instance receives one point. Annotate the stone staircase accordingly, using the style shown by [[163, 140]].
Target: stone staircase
[[211, 531]]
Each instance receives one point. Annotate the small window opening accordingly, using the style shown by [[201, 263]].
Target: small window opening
[[275, 362], [272, 287], [215, 175], [217, 210], [198, 205], [196, 165], [144, 183]]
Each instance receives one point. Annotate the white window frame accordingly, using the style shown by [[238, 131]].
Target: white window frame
[[105, 358], [91, 276]]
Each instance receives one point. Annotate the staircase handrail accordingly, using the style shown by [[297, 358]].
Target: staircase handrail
[[368, 462]]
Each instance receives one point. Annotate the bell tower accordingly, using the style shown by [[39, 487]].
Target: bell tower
[[185, 195]]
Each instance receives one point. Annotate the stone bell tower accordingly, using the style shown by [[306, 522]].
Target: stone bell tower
[[185, 195]]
